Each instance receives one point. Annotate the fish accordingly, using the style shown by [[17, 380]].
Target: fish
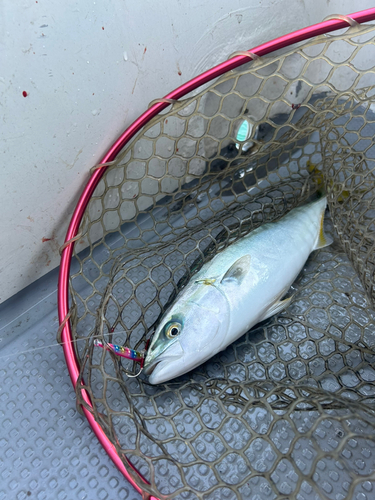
[[239, 287]]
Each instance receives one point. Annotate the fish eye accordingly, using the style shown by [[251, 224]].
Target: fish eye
[[173, 330]]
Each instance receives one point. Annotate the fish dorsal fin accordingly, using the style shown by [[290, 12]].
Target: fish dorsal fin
[[322, 240], [237, 271]]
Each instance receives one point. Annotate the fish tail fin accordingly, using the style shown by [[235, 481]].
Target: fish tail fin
[[322, 240]]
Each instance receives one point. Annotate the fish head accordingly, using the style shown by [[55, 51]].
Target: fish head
[[188, 334]]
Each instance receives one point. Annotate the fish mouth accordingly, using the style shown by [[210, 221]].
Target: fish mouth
[[160, 363], [149, 370]]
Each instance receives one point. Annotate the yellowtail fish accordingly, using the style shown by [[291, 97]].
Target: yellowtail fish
[[239, 287]]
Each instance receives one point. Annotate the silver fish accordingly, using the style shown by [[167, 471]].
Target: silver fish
[[237, 289]]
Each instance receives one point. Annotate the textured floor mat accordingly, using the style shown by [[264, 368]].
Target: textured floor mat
[[47, 449]]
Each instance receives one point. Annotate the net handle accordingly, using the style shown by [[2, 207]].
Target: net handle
[[339, 22]]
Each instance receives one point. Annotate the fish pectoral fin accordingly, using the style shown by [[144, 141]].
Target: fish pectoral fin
[[277, 307], [322, 240], [237, 271]]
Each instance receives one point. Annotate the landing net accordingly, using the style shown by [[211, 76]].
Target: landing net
[[287, 411]]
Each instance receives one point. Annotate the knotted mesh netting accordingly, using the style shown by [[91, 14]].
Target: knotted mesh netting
[[287, 411]]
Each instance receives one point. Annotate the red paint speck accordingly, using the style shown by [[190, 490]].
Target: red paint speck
[[179, 72], [145, 50], [103, 28], [46, 239], [24, 93], [93, 93]]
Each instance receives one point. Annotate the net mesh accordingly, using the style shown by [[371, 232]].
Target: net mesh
[[287, 411]]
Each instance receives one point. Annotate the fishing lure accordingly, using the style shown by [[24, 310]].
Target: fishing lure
[[124, 352]]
